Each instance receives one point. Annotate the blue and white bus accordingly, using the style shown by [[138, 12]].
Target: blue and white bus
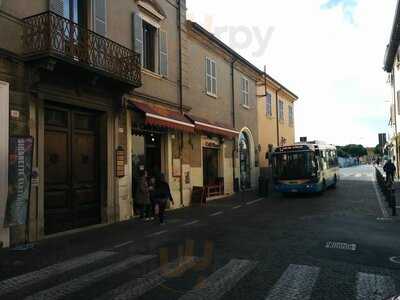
[[309, 167]]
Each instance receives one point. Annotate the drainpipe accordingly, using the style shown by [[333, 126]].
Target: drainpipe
[[233, 117], [180, 93], [395, 121], [277, 117]]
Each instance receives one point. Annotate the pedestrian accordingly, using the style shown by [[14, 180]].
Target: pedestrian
[[390, 170], [162, 195], [152, 190], [142, 196]]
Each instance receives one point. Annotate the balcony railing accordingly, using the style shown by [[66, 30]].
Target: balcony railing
[[49, 34]]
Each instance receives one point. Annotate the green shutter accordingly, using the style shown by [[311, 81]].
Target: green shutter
[[163, 53], [138, 34]]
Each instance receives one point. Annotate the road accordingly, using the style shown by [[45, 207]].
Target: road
[[340, 245]]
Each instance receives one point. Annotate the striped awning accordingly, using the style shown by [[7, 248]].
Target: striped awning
[[163, 117], [204, 125]]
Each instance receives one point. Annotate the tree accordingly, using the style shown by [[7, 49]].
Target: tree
[[341, 152], [352, 150], [378, 150]]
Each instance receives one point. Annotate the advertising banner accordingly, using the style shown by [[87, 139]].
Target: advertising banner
[[19, 180]]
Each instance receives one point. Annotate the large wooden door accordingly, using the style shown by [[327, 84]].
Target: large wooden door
[[72, 197]]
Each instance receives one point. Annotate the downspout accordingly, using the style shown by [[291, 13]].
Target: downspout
[[395, 122], [233, 118], [277, 117], [180, 94]]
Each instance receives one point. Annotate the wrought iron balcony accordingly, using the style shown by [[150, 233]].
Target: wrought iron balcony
[[50, 35]]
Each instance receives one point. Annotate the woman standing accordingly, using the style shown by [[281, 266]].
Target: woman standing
[[142, 196], [162, 195]]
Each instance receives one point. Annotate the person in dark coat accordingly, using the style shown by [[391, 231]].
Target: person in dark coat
[[162, 195], [142, 196], [390, 170]]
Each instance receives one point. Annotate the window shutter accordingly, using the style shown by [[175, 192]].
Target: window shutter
[[138, 34], [398, 102], [214, 77], [163, 54], [57, 6], [99, 17]]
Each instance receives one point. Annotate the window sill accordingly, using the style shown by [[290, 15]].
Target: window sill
[[245, 106], [152, 74], [211, 95]]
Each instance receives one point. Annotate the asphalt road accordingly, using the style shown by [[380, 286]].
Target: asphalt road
[[340, 245]]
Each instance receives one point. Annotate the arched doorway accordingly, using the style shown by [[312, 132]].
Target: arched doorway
[[245, 160]]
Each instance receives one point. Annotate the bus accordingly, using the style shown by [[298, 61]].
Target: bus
[[309, 167]]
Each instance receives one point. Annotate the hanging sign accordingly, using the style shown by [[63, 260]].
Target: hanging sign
[[19, 180]]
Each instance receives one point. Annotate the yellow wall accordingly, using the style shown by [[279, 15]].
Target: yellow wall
[[267, 125]]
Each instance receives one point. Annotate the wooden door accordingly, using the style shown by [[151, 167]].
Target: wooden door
[[71, 169]]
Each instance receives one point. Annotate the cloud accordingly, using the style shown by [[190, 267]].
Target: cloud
[[348, 7], [335, 67]]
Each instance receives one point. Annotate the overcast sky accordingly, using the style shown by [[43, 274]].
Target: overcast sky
[[329, 52]]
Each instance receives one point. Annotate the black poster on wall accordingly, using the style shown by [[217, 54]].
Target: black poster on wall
[[19, 180]]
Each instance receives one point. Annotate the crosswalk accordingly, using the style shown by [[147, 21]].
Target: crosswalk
[[296, 281]]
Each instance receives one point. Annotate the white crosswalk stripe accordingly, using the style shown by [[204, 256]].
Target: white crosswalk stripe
[[374, 287], [138, 287], [18, 282], [297, 282], [87, 280], [222, 281]]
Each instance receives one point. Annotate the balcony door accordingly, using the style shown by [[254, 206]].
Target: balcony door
[[76, 11]]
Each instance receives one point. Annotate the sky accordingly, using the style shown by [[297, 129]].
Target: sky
[[328, 52]]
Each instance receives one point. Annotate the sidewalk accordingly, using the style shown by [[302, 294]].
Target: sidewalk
[[51, 250], [396, 186]]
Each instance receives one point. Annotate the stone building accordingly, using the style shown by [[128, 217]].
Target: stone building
[[108, 89]]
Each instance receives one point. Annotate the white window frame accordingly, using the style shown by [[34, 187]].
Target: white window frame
[[211, 76], [94, 17], [268, 105], [281, 110], [245, 91]]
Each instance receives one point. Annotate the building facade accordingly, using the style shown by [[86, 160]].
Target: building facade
[[276, 123], [109, 89], [392, 67]]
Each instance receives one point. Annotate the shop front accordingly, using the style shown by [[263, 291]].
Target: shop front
[[155, 142], [217, 142]]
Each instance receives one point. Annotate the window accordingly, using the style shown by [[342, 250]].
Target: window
[[244, 91], [99, 17], [291, 116], [149, 46], [268, 105], [398, 102], [281, 111], [163, 54], [211, 77], [151, 43]]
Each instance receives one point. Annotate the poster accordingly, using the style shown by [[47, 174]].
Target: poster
[[19, 180]]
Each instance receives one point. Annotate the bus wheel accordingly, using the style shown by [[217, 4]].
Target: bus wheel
[[334, 182]]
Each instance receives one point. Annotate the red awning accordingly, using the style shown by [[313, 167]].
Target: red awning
[[213, 127], [163, 117]]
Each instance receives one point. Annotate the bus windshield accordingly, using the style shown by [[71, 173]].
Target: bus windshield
[[294, 165]]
